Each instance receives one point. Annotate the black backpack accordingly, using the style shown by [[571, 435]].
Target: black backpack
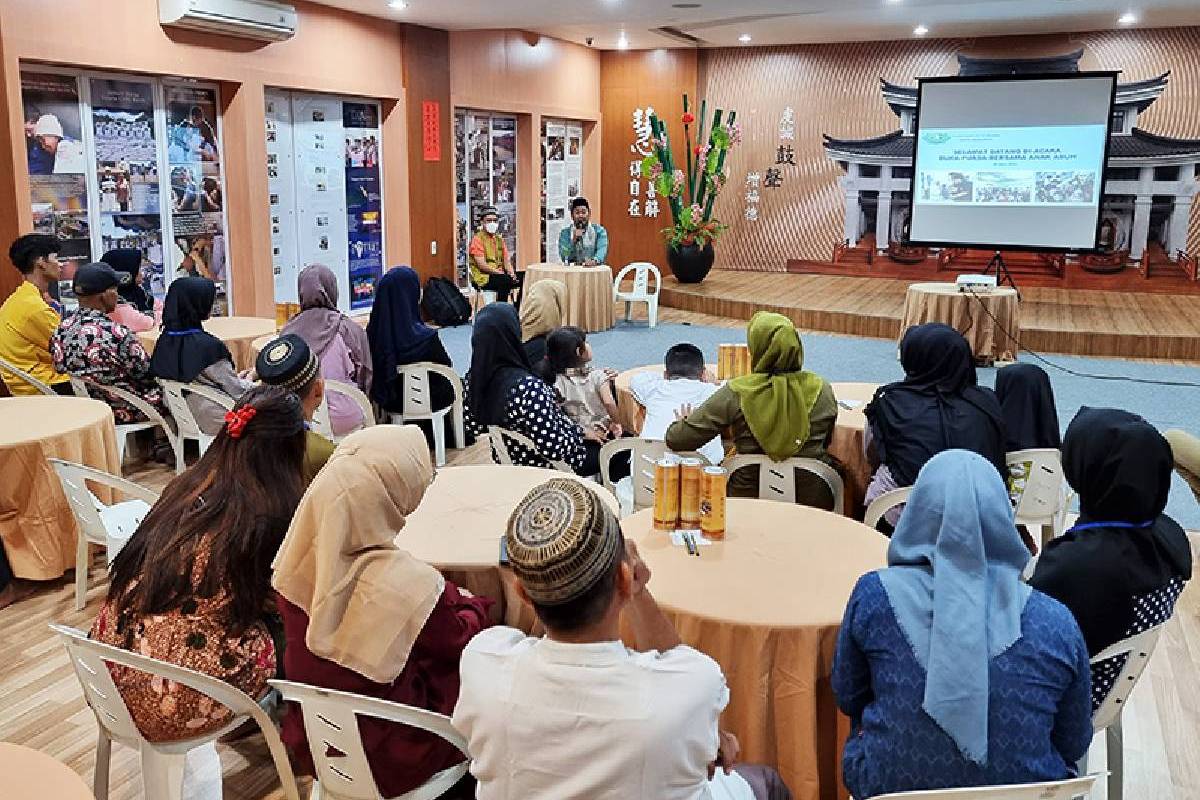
[[444, 303]]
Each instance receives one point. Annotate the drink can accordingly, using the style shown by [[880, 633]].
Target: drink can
[[712, 502], [281, 315], [725, 361], [666, 494], [689, 492], [741, 364]]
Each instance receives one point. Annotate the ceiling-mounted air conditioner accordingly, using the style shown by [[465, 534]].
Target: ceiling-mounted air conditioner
[[250, 19]]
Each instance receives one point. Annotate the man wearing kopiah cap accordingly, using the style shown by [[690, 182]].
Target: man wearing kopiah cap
[[287, 362], [491, 263], [577, 715], [63, 155]]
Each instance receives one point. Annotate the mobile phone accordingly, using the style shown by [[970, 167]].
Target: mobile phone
[[503, 551]]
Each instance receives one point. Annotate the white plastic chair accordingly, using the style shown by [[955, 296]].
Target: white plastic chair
[[124, 431], [1107, 717], [163, 763], [885, 503], [98, 523], [1049, 790], [636, 491], [321, 423], [777, 480], [498, 436], [174, 394], [331, 722], [1039, 497], [22, 375], [640, 293], [418, 404]]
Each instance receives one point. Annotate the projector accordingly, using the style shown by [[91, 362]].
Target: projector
[[976, 283]]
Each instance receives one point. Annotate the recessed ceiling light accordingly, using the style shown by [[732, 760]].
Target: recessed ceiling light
[[920, 30], [1128, 18], [685, 5], [744, 38], [399, 5], [893, 2], [622, 42]]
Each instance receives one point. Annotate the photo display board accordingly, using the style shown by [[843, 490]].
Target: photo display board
[[485, 169], [562, 176]]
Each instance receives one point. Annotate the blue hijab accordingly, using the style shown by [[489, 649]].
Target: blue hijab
[[954, 583], [395, 332]]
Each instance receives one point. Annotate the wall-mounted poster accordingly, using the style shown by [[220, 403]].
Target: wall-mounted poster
[[282, 195], [562, 175], [364, 201], [485, 169]]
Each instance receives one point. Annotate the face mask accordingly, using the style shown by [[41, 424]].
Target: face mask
[[492, 227]]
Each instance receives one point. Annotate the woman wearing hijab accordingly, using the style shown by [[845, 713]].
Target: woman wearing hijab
[[185, 352], [953, 672], [937, 407], [503, 390], [1122, 567], [361, 615], [135, 309], [541, 312], [1027, 402], [778, 409], [339, 343]]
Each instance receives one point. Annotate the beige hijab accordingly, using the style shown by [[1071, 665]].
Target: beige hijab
[[542, 308], [366, 599]]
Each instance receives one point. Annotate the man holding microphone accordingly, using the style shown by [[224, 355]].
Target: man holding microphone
[[584, 242]]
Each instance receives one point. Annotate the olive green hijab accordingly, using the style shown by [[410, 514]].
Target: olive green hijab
[[777, 396]]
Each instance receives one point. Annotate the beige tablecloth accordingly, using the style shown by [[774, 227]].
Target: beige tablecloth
[[236, 332], [33, 775], [630, 413], [942, 302], [461, 520], [847, 442], [589, 293], [766, 604], [36, 523]]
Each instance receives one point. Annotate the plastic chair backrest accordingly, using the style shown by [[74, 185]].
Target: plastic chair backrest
[[90, 661], [1035, 484], [1049, 790], [321, 421], [22, 375], [1139, 649], [500, 438], [83, 503], [174, 394], [641, 279], [418, 398], [643, 455], [331, 722], [777, 479], [885, 503]]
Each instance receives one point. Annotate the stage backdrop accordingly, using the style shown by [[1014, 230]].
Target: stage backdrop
[[835, 89]]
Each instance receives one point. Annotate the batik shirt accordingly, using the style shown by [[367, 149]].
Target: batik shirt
[[90, 345]]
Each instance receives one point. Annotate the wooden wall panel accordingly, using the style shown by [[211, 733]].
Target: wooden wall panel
[[630, 80], [430, 183]]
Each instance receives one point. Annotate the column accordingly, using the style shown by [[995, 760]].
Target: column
[[883, 211], [1177, 232], [1141, 226], [852, 209]]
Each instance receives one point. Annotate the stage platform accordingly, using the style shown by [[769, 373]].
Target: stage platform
[[1053, 320]]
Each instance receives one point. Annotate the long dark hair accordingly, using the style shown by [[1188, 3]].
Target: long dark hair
[[562, 352], [240, 495]]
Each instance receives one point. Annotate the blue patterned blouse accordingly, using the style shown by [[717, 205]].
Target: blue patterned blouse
[[1040, 711]]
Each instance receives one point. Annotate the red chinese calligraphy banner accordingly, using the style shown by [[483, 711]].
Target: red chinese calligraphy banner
[[431, 130]]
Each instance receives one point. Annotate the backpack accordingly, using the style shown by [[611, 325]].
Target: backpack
[[444, 304]]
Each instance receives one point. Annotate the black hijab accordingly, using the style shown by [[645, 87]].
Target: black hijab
[[937, 406], [127, 261], [395, 333], [498, 362], [184, 349], [1027, 400], [1121, 468]]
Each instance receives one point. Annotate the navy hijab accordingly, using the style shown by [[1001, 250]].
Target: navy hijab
[[184, 349], [1027, 399], [395, 332], [498, 362], [126, 262]]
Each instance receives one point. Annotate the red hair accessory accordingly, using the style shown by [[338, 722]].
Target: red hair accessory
[[236, 421]]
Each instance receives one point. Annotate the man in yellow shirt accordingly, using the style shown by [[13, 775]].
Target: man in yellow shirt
[[491, 263], [26, 321]]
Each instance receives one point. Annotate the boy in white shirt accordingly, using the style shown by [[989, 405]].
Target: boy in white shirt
[[684, 382]]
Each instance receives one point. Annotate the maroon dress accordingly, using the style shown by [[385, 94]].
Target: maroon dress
[[401, 758]]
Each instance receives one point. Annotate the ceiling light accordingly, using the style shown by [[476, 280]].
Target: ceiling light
[[399, 5], [920, 30], [744, 38], [622, 42], [893, 2], [1128, 18]]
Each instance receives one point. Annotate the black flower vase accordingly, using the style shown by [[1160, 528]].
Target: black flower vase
[[690, 263]]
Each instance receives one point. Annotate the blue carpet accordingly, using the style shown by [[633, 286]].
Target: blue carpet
[[849, 358]]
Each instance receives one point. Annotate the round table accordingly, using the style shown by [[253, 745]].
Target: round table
[[589, 293], [630, 413], [236, 332], [36, 523], [32, 775], [766, 603], [985, 330], [462, 518], [846, 445]]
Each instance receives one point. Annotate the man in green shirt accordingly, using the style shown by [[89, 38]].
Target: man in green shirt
[[585, 242], [287, 362]]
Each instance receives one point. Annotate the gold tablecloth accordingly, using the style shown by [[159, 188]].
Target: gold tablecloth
[[766, 604], [461, 520], [942, 302], [589, 293], [631, 414], [33, 775], [236, 332], [846, 445], [36, 523]]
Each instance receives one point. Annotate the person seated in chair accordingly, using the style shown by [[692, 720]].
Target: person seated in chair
[[584, 242], [684, 382], [27, 321], [287, 362], [576, 714], [491, 263]]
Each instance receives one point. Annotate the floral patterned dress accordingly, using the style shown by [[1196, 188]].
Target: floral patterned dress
[[195, 636]]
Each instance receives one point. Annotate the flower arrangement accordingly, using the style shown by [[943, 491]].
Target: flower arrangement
[[691, 194]]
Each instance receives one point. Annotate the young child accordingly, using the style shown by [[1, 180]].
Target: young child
[[683, 382]]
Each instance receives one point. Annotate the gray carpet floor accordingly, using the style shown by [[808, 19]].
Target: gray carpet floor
[[849, 358]]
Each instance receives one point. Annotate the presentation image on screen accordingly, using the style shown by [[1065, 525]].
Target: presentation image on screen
[[1010, 162]]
